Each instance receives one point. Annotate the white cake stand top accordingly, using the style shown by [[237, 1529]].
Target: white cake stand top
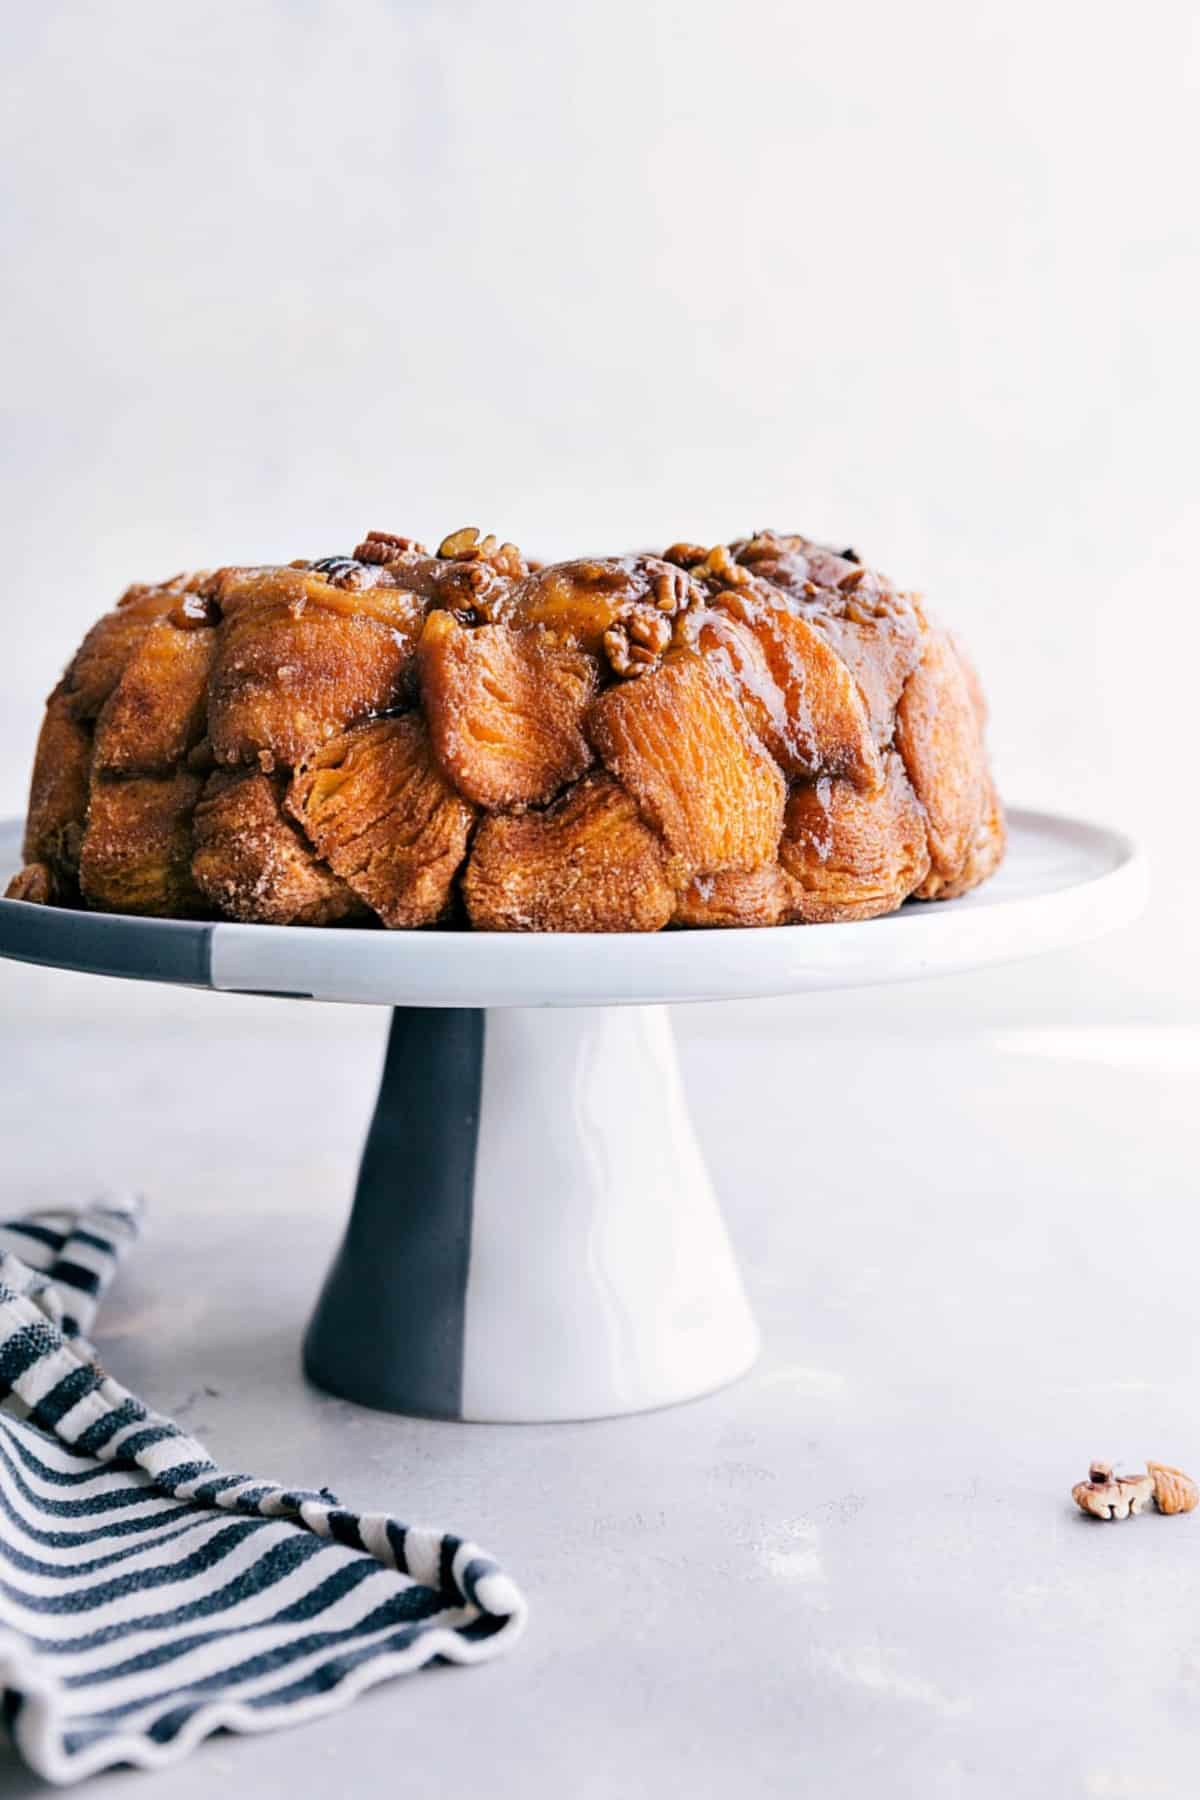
[[1062, 883]]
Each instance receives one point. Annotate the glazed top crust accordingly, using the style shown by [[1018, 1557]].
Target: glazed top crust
[[628, 612]]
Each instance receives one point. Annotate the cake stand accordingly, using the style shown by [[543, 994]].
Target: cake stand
[[534, 1235]]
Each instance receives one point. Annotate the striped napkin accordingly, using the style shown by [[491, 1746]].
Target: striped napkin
[[147, 1598]]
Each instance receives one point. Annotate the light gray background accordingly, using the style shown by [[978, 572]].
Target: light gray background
[[923, 278]]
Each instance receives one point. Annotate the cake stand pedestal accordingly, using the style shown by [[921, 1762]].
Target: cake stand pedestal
[[534, 1235]]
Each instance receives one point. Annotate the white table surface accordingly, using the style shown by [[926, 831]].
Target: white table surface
[[857, 1572]]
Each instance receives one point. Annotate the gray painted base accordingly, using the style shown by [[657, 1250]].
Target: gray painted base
[[389, 1326]]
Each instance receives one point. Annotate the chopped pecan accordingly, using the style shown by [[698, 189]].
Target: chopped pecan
[[716, 567], [763, 546], [1108, 1496], [469, 546], [685, 555], [720, 567], [465, 542], [635, 643]]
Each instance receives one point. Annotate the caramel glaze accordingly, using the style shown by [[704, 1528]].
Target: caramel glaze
[[756, 733]]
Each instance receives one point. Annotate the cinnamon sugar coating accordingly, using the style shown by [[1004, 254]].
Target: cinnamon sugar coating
[[588, 863], [850, 855], [736, 897], [376, 806], [681, 745], [506, 709], [100, 660], [250, 862], [136, 855], [757, 733], [300, 657], [939, 738], [156, 712], [58, 790]]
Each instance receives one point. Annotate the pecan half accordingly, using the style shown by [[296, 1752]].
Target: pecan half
[[385, 547], [1174, 1492]]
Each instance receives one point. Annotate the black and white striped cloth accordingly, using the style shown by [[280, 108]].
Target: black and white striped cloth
[[147, 1598]]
